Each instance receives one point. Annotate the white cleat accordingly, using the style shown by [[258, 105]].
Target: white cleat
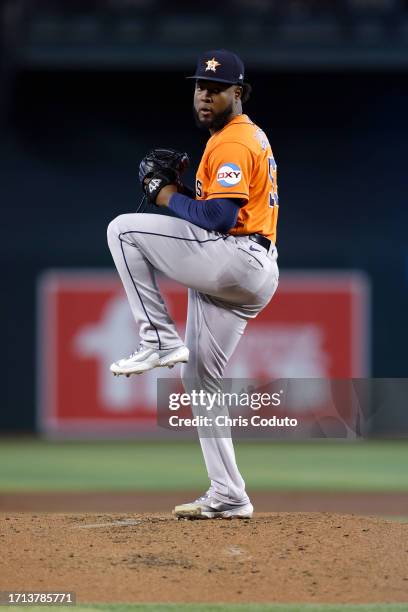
[[207, 507], [148, 358]]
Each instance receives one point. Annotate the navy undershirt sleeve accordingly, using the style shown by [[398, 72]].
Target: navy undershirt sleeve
[[218, 215]]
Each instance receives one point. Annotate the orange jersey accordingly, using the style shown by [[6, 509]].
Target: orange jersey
[[238, 163]]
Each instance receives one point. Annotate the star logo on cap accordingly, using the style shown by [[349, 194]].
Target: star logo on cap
[[212, 64]]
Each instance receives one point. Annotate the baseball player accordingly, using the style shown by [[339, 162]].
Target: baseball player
[[220, 243]]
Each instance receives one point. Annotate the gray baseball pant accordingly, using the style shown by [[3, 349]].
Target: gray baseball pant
[[228, 282]]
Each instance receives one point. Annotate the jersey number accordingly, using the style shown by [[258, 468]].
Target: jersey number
[[199, 188], [273, 194]]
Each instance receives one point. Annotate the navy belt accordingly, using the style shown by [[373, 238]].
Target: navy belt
[[262, 240]]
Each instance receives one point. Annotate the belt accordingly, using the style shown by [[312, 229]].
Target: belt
[[262, 240]]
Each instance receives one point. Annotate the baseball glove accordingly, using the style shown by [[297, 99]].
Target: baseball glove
[[161, 167]]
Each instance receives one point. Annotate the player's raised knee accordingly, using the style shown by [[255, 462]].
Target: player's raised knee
[[114, 228]]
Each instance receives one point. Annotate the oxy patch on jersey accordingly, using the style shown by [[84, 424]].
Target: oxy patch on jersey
[[229, 175]]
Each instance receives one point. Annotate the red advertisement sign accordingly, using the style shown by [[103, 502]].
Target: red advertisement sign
[[316, 326]]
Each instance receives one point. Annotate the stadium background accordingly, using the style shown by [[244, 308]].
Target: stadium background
[[87, 88], [80, 109]]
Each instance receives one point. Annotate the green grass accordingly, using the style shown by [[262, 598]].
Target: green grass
[[33, 465], [248, 607]]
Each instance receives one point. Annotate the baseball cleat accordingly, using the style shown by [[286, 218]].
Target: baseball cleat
[[207, 507], [146, 359]]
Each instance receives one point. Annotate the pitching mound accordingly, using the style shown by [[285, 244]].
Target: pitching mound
[[279, 557]]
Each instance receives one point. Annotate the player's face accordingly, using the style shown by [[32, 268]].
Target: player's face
[[213, 104]]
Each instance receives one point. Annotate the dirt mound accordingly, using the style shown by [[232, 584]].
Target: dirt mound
[[279, 557], [347, 502]]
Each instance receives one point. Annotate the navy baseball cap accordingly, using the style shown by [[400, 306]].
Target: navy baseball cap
[[221, 66]]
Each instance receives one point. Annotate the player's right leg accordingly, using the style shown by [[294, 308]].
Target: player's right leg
[[212, 335]]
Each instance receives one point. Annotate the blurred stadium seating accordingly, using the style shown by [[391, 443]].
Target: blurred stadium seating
[[143, 32]]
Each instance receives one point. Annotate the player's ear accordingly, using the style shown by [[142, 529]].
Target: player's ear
[[238, 93]]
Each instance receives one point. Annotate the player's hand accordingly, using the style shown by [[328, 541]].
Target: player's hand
[[155, 184], [161, 168], [165, 194]]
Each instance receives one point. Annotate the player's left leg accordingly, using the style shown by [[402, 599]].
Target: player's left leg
[[161, 345], [138, 276], [209, 262]]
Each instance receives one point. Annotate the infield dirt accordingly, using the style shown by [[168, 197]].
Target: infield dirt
[[275, 557]]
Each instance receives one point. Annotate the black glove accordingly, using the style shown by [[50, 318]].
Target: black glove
[[161, 167], [185, 190]]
